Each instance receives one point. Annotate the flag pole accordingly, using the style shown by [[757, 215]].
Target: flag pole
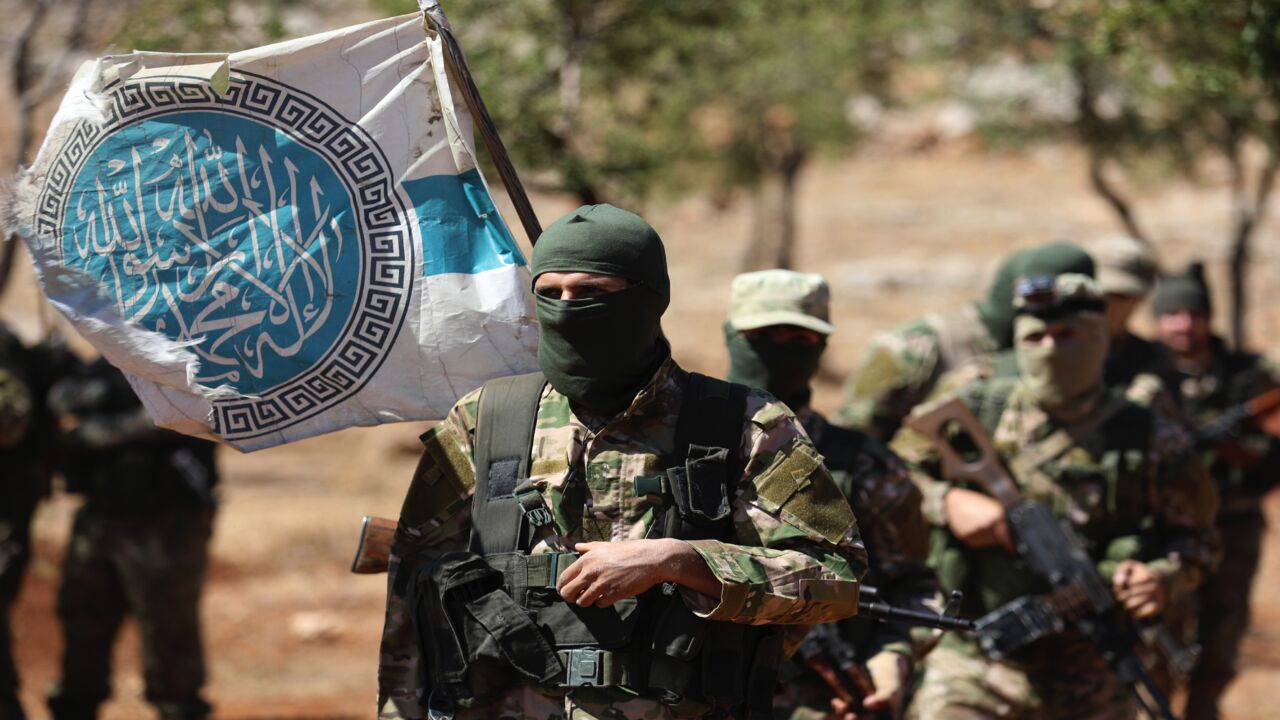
[[456, 65]]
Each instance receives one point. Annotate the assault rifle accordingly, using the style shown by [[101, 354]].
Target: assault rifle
[[1080, 597], [835, 660], [1262, 410], [373, 552]]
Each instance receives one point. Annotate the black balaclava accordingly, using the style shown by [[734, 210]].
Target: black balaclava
[[781, 369], [599, 352], [1187, 291], [1056, 258]]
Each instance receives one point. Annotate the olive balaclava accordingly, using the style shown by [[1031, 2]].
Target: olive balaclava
[[1063, 379], [781, 369], [1056, 258], [1186, 291], [599, 352]]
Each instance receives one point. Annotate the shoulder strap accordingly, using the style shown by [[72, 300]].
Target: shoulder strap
[[711, 416], [505, 423]]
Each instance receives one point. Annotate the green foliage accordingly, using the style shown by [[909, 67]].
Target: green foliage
[[201, 25], [1160, 81], [619, 99]]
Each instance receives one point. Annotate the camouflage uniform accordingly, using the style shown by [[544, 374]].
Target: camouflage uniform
[[1244, 471], [887, 505], [1175, 499], [139, 546], [794, 567], [25, 437], [1131, 486], [901, 366]]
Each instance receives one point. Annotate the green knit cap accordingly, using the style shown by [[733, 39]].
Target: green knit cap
[[1185, 291], [607, 240], [1055, 258]]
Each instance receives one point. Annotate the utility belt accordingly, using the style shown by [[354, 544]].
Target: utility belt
[[488, 624]]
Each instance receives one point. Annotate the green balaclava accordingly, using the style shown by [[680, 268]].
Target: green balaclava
[[781, 369], [599, 352], [1056, 258], [1063, 379], [1187, 291]]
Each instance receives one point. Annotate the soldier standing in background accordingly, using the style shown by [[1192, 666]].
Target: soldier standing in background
[[776, 333], [1211, 379], [1127, 272], [901, 366], [26, 438], [613, 537], [1125, 478], [139, 546]]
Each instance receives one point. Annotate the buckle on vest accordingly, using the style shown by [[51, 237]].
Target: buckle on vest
[[536, 512], [584, 667]]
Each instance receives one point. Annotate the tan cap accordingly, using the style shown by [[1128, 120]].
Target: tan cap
[[780, 297], [1126, 266]]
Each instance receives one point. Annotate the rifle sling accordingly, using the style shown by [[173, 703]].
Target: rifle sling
[[1028, 464]]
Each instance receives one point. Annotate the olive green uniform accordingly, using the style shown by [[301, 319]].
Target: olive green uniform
[[795, 559], [887, 504], [139, 547], [1244, 470], [1132, 488]]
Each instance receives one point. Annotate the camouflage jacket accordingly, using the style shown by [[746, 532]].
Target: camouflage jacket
[[887, 505], [900, 367], [1133, 487], [1249, 465], [793, 566]]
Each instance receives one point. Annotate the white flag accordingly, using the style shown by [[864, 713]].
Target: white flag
[[283, 241]]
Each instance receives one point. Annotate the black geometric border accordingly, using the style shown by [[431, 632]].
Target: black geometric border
[[389, 253]]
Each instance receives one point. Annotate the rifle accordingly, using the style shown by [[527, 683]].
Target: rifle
[[1080, 596], [1260, 408], [835, 660]]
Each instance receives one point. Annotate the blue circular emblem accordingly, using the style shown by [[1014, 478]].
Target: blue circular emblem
[[256, 227], [220, 231]]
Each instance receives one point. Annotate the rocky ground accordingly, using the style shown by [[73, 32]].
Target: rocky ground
[[291, 634]]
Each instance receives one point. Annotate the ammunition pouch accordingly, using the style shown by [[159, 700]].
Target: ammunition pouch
[[486, 625]]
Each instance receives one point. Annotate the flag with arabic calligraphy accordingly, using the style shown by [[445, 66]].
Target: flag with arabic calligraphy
[[280, 242]]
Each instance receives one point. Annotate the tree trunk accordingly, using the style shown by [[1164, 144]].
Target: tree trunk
[[773, 230]]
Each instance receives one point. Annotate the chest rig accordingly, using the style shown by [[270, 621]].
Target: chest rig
[[490, 619], [1105, 497]]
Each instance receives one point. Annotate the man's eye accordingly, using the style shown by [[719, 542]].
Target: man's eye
[[551, 293]]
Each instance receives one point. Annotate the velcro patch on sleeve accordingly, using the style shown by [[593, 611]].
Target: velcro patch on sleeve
[[444, 476], [800, 490]]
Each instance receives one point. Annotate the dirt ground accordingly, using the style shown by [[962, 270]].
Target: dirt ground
[[291, 634]]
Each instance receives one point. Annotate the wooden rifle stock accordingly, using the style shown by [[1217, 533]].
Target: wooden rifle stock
[[373, 550]]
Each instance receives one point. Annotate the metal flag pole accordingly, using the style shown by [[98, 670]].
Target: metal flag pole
[[456, 66]]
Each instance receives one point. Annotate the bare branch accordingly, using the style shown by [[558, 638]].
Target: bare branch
[[1092, 131]]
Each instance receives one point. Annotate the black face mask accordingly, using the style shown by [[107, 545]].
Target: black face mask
[[599, 352], [780, 369]]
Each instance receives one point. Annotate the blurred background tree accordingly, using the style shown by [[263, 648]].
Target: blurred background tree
[[1159, 88], [623, 100]]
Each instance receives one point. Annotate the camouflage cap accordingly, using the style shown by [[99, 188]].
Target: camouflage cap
[[1126, 265], [1051, 297], [780, 297]]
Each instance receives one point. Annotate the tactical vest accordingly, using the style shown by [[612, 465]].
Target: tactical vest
[[490, 619], [1108, 498]]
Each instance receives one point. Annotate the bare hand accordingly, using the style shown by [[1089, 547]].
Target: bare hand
[[610, 571], [977, 520], [1139, 589]]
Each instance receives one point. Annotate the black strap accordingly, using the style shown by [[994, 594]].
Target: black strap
[[506, 420], [711, 416]]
